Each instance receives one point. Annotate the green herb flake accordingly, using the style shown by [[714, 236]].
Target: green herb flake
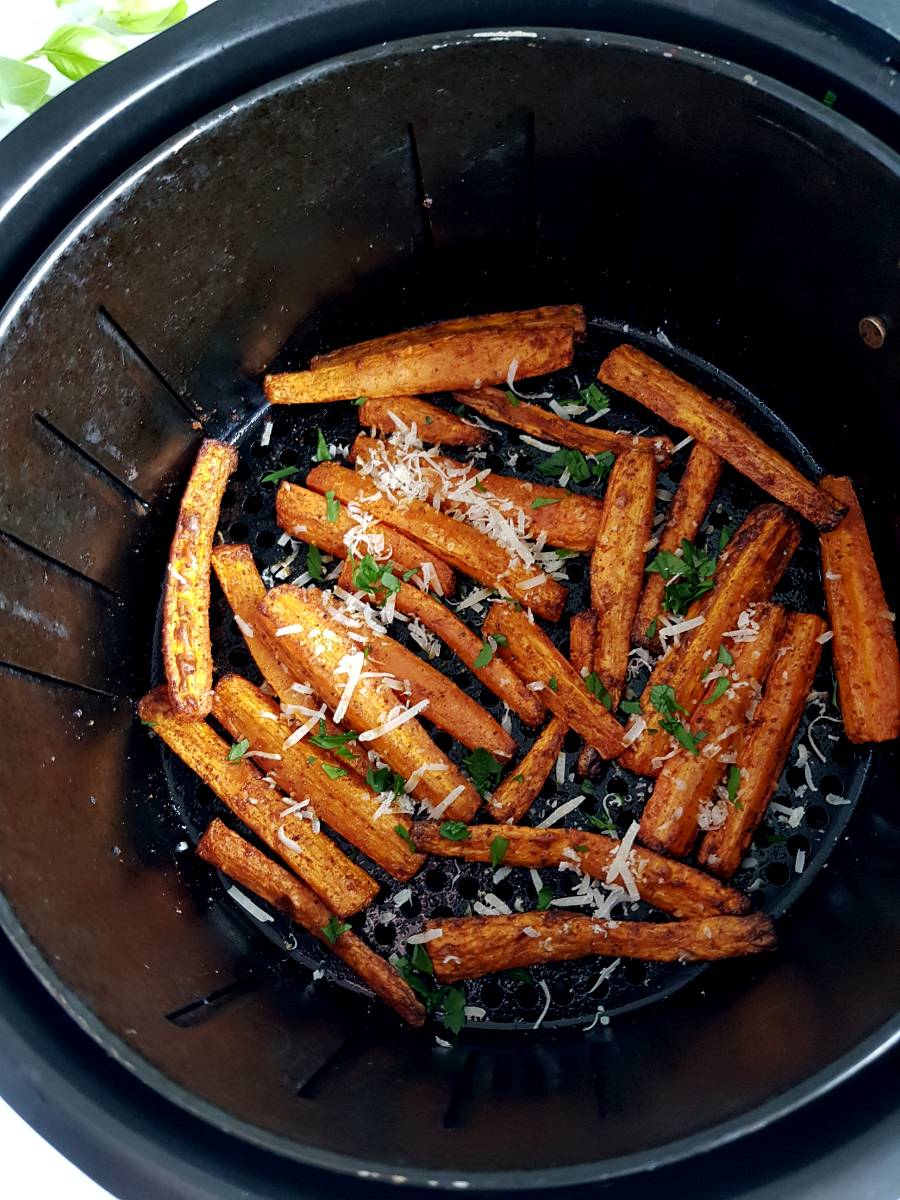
[[544, 896], [499, 847], [484, 656], [543, 501], [579, 467], [595, 686], [688, 575], [365, 573], [650, 631], [518, 778], [429, 420], [484, 769], [150, 724], [664, 700], [630, 706], [724, 537], [453, 1009], [720, 687], [331, 741], [332, 507], [455, 831], [734, 785], [322, 454], [403, 833], [518, 975], [683, 735], [605, 823], [238, 750], [725, 657], [595, 398], [314, 563], [281, 473], [333, 929], [385, 780], [512, 398], [553, 684], [332, 771], [407, 575], [359, 401], [829, 98]]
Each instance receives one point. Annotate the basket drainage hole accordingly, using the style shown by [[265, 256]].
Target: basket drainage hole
[[795, 844], [265, 539], [239, 531], [435, 879], [239, 658], [831, 786], [252, 505], [527, 996], [634, 972], [816, 817], [385, 934], [491, 994], [777, 873]]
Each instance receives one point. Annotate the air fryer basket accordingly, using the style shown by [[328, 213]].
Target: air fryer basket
[[667, 191]]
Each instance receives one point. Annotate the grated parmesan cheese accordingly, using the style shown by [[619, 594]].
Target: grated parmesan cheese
[[398, 716]]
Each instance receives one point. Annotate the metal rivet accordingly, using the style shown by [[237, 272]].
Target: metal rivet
[[873, 331]]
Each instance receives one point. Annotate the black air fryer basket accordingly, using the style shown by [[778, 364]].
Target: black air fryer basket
[[296, 180]]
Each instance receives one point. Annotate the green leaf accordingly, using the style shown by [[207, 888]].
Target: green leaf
[[455, 831], [389, 581], [77, 50], [332, 507], [664, 700], [829, 98], [681, 734], [145, 16], [407, 575], [499, 847], [333, 772], [734, 784], [630, 706], [418, 957], [21, 85], [595, 686], [150, 724], [479, 487], [516, 778], [724, 537], [333, 929], [725, 657], [721, 687], [484, 656], [453, 1010], [544, 896], [605, 824], [331, 741], [688, 575], [512, 398], [385, 780], [484, 769], [322, 454], [359, 401], [519, 975], [403, 833], [281, 473], [366, 572], [543, 501], [553, 684], [595, 397], [650, 631], [238, 750], [314, 563]]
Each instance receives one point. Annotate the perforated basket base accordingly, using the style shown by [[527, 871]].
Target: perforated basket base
[[447, 887]]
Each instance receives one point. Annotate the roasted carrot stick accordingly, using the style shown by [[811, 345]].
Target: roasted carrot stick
[[532, 419], [756, 558], [468, 947], [766, 743], [537, 660], [465, 548], [565, 519], [570, 316], [865, 644], [686, 407], [511, 800], [692, 500], [316, 645], [244, 590], [304, 515], [249, 867], [344, 886], [442, 363], [687, 782], [307, 771], [617, 564], [668, 885], [494, 674], [435, 426], [186, 646]]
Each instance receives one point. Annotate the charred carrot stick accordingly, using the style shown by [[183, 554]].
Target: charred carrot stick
[[435, 426], [249, 867], [565, 519], [186, 645], [865, 644], [692, 500], [669, 822], [687, 407], [532, 419], [469, 947], [463, 547], [766, 743], [617, 564]]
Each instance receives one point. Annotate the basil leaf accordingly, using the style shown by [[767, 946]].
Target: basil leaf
[[21, 85], [77, 50]]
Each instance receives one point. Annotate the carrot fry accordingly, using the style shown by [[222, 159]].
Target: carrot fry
[[441, 363], [570, 316], [468, 947], [532, 419], [466, 549], [344, 886], [665, 883], [434, 425], [317, 646], [244, 590], [250, 868], [686, 407], [307, 772], [865, 646], [495, 674], [186, 645], [537, 660], [565, 520], [692, 500], [304, 515], [747, 574], [449, 707], [766, 743], [686, 782], [617, 564]]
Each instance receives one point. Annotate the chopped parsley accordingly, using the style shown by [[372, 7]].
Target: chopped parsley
[[488, 649], [630, 706], [333, 741], [724, 537], [734, 785], [518, 778], [721, 686], [332, 507], [403, 833], [417, 969], [499, 846], [389, 581], [238, 750], [518, 974], [454, 831], [322, 454], [359, 401], [512, 398], [333, 772], [314, 563], [365, 573], [334, 928], [725, 657], [281, 473], [664, 700], [682, 734], [605, 823], [688, 575], [453, 1009], [595, 398], [553, 684], [385, 780], [483, 768], [579, 467], [544, 896], [407, 575], [594, 685], [543, 501], [650, 631]]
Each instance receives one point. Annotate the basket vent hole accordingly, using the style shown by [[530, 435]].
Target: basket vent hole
[[778, 874]]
